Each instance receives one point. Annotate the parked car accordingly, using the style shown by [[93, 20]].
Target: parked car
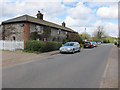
[[70, 47], [98, 42], [88, 45], [94, 44]]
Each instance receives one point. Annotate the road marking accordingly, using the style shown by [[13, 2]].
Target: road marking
[[104, 76]]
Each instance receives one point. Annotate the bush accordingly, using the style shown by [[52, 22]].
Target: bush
[[106, 41], [41, 46], [34, 45], [74, 37], [81, 45], [115, 43]]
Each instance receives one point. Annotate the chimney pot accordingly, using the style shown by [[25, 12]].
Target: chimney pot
[[40, 15], [63, 24]]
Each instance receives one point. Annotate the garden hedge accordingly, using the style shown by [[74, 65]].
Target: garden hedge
[[41, 46]]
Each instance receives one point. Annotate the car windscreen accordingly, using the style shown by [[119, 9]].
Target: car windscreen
[[68, 44], [87, 42]]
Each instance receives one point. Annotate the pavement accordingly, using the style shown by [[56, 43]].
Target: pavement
[[80, 70], [10, 58], [110, 76]]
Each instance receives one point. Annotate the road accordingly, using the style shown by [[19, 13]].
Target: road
[[79, 70]]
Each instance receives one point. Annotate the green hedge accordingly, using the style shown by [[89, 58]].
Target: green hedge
[[115, 43], [41, 46]]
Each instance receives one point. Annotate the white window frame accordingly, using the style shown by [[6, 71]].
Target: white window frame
[[59, 30], [38, 27], [45, 39]]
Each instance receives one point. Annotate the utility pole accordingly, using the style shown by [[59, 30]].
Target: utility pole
[[85, 33], [85, 36]]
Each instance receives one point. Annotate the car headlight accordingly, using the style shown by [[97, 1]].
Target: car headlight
[[60, 49], [68, 48]]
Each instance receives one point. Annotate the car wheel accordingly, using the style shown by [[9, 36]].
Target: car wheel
[[61, 52], [79, 49], [73, 51]]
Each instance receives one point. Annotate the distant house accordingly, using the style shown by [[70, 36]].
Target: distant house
[[19, 28]]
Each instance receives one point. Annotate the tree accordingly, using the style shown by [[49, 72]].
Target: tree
[[99, 33], [85, 36], [74, 37]]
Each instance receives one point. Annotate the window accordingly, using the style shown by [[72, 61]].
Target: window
[[38, 29], [59, 31], [54, 39], [68, 44], [58, 39], [44, 39], [13, 38], [66, 33], [38, 39]]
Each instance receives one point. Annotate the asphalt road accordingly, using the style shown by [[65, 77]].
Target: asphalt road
[[79, 70]]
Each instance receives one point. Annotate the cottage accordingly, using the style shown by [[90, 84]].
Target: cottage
[[20, 28]]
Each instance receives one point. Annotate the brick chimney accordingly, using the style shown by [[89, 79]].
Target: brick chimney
[[40, 15], [63, 24]]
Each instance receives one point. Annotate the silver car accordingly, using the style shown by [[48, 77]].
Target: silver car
[[70, 47], [94, 44]]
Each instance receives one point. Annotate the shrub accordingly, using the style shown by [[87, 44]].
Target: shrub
[[41, 46], [74, 37], [34, 45], [51, 46], [81, 45], [115, 43]]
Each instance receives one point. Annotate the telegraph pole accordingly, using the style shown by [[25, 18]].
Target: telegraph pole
[[85, 36], [85, 33]]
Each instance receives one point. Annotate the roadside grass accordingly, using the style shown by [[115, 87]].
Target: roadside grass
[[36, 52]]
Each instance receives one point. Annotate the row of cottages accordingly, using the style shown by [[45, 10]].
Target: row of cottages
[[19, 28]]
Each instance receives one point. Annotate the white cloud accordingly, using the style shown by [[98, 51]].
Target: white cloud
[[80, 11], [11, 10], [79, 15], [100, 0], [54, 20], [71, 22], [108, 12]]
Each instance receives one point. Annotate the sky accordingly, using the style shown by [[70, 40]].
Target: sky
[[77, 14]]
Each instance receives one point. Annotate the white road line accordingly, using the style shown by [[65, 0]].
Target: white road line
[[104, 76]]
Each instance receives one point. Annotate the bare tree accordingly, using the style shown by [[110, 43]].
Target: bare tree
[[99, 33]]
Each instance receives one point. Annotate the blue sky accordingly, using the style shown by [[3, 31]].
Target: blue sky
[[77, 14]]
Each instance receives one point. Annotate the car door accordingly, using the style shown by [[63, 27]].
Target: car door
[[75, 46]]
